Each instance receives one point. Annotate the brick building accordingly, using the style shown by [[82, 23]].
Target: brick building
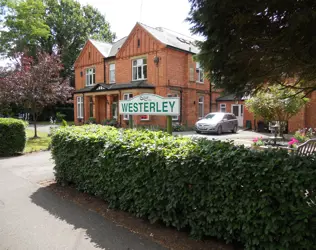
[[306, 118], [148, 60]]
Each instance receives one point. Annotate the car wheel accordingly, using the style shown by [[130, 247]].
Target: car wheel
[[219, 130], [198, 132], [235, 129]]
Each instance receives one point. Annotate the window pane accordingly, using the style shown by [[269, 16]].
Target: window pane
[[135, 63], [145, 71], [197, 65], [144, 61], [93, 81], [112, 66], [139, 72], [139, 62], [134, 73]]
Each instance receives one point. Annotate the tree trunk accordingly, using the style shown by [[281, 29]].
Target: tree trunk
[[35, 125]]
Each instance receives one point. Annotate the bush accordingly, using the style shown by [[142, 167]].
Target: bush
[[60, 116], [265, 200], [177, 128], [91, 120], [110, 122], [12, 136], [64, 123]]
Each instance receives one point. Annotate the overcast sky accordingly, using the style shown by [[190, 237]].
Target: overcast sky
[[123, 15]]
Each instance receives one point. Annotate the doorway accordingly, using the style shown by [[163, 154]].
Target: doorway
[[238, 111]]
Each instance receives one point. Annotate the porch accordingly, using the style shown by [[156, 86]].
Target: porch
[[101, 101]]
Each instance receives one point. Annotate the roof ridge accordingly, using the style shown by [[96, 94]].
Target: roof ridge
[[91, 39]]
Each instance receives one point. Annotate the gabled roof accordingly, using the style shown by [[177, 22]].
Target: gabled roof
[[108, 49], [172, 38]]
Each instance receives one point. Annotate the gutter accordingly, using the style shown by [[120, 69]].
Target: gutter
[[104, 70]]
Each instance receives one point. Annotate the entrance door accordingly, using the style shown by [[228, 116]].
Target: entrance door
[[238, 111]]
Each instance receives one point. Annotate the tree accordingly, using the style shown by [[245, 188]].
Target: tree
[[24, 27], [65, 26], [35, 84], [276, 103], [249, 43]]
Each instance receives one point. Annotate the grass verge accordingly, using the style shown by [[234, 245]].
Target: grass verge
[[36, 144]]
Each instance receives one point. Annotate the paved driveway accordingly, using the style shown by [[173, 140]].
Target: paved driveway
[[241, 137], [31, 217]]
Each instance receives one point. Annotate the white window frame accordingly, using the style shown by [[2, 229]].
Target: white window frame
[[90, 76], [200, 73], [80, 107], [127, 96], [222, 106], [139, 64], [175, 117], [201, 103], [112, 72]]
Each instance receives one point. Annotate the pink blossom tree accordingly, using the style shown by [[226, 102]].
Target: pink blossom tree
[[35, 84]]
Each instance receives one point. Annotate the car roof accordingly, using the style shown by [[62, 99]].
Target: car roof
[[223, 113]]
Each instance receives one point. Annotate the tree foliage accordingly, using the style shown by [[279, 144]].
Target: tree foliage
[[35, 84], [249, 43], [52, 26], [276, 103]]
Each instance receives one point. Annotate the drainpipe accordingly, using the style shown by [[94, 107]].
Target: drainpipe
[[104, 70], [83, 103], [181, 109], [118, 108]]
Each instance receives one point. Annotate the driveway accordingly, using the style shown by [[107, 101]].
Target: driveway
[[31, 217], [43, 128], [244, 137]]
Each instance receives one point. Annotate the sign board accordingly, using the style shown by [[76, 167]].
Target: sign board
[[150, 104]]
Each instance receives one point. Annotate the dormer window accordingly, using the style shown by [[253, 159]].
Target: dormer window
[[199, 73], [90, 76]]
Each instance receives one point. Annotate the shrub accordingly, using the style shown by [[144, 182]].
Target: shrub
[[64, 123], [91, 120], [177, 128], [60, 116], [12, 136], [110, 122], [264, 199]]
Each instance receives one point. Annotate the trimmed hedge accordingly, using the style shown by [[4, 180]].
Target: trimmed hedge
[[265, 200], [12, 136]]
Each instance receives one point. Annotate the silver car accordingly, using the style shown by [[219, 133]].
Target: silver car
[[217, 122]]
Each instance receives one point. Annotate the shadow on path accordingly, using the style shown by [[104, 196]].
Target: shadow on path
[[103, 233]]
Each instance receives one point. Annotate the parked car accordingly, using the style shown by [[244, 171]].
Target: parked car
[[217, 122]]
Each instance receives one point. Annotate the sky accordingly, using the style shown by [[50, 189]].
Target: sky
[[123, 14]]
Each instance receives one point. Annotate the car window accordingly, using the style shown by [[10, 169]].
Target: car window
[[214, 116], [226, 117], [231, 117]]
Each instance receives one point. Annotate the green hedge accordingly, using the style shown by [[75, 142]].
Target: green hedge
[[265, 200], [12, 136]]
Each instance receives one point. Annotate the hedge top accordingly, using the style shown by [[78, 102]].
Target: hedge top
[[11, 121]]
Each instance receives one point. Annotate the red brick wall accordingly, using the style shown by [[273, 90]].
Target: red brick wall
[[171, 75], [85, 61], [311, 111]]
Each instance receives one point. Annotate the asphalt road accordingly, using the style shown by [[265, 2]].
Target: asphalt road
[[31, 217]]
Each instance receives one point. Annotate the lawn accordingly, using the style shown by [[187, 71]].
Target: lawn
[[37, 144], [70, 123]]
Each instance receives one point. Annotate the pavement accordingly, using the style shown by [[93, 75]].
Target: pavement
[[32, 217], [242, 137]]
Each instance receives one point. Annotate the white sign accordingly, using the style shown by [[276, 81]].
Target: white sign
[[150, 104]]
